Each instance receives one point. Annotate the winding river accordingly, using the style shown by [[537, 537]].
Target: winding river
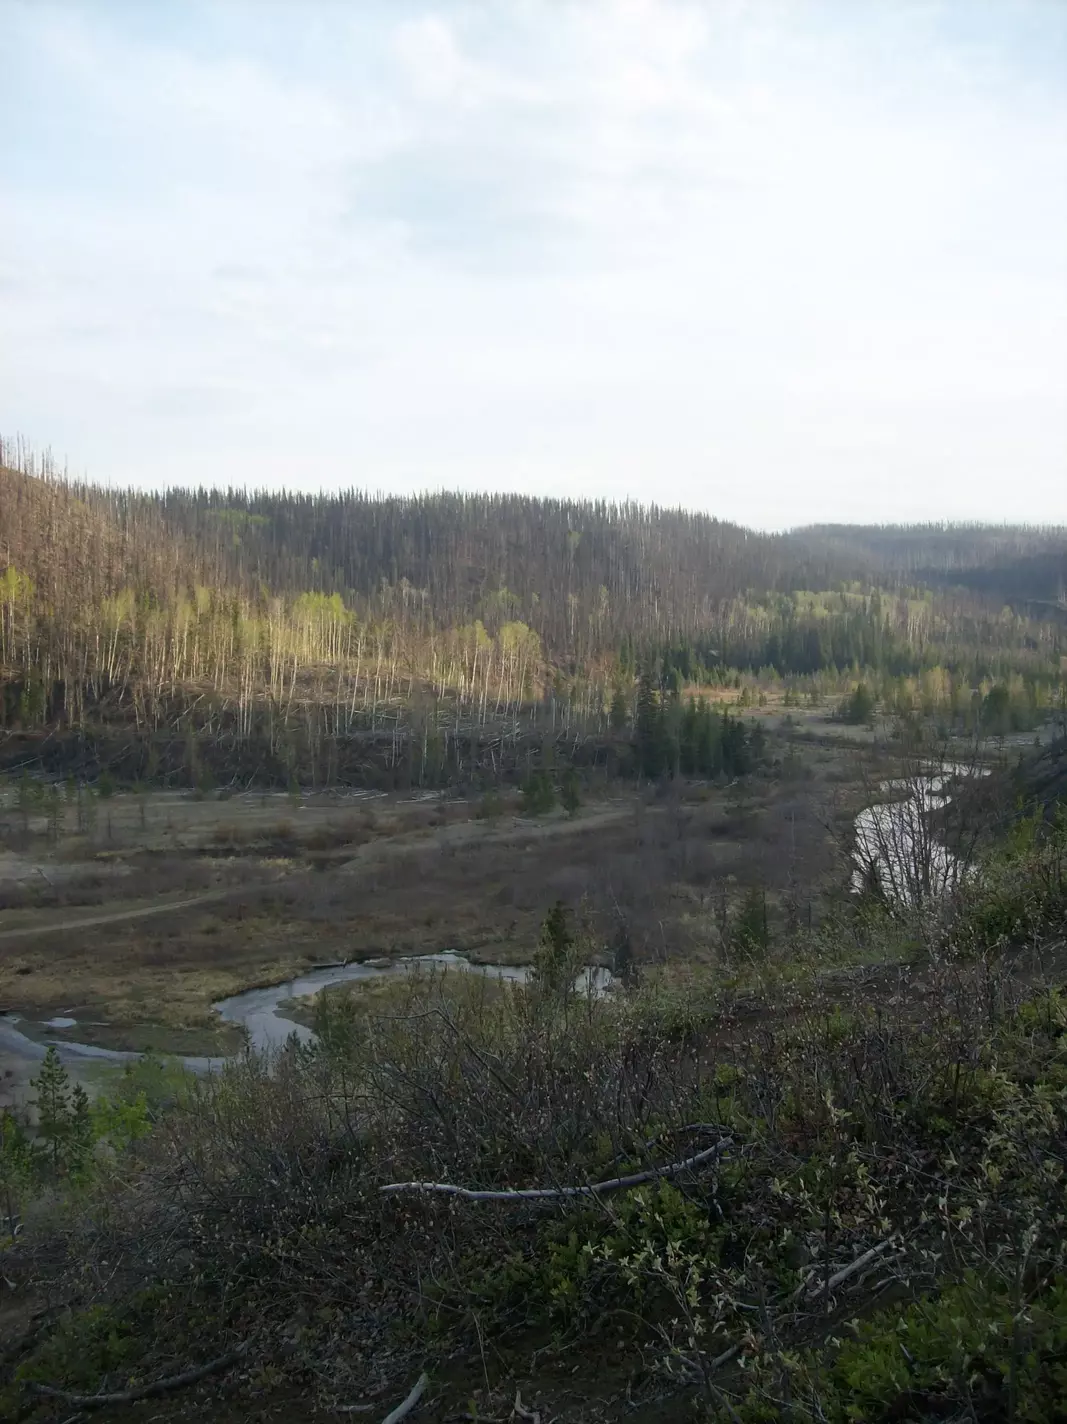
[[884, 833]]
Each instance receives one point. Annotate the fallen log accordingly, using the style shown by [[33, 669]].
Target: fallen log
[[812, 1289], [590, 1189], [404, 1408], [141, 1391]]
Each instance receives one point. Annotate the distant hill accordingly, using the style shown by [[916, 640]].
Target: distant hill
[[1013, 563]]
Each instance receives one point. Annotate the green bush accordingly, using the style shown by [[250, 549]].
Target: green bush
[[1019, 892], [857, 708], [490, 807], [977, 1348], [570, 792], [100, 1342], [750, 931], [538, 794]]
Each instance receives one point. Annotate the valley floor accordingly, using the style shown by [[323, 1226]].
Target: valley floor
[[135, 926]]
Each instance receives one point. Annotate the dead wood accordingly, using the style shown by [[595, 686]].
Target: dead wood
[[142, 1391], [613, 1184]]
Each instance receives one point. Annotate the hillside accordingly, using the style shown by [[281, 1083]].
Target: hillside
[[195, 610], [344, 804], [1043, 777], [1018, 565]]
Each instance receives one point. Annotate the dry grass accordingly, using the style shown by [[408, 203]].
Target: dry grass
[[295, 884]]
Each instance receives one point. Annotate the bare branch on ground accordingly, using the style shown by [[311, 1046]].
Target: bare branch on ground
[[613, 1184]]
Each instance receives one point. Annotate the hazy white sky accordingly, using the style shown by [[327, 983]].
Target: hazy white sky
[[780, 260]]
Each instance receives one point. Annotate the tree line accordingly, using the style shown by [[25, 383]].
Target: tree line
[[256, 612]]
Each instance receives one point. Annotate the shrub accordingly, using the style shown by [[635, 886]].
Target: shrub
[[750, 932], [570, 793], [490, 807], [858, 707], [978, 1348], [925, 1138], [1019, 891], [538, 794]]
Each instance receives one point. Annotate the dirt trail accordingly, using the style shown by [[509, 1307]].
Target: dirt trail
[[506, 831], [464, 832], [113, 917]]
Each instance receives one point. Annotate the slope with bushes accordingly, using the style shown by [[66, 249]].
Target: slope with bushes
[[841, 1198]]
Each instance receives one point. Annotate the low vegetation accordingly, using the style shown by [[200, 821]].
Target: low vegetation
[[850, 1198]]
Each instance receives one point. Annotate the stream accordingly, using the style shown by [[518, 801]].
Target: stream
[[257, 1011], [885, 838], [895, 839]]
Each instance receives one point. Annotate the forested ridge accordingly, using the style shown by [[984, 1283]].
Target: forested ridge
[[1017, 564], [216, 608]]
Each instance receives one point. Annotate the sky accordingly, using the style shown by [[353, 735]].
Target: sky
[[781, 260]]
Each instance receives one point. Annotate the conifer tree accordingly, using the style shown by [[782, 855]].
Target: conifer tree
[[79, 1143], [54, 1108], [649, 728], [620, 710], [570, 793], [15, 1167], [552, 961]]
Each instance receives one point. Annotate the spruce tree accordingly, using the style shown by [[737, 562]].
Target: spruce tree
[[860, 706], [649, 728], [79, 1143], [552, 967], [620, 710], [570, 791], [54, 1109], [15, 1167]]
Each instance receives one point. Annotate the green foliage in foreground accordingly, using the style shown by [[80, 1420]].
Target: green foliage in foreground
[[885, 1237], [95, 1344], [74, 1137], [999, 1350], [1020, 895]]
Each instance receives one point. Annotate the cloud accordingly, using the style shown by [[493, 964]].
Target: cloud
[[192, 402], [778, 260], [440, 72]]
